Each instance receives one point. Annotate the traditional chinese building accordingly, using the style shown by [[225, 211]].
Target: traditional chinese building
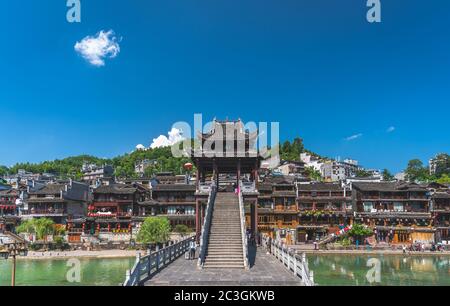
[[9, 209], [323, 208], [440, 209], [277, 207], [229, 150], [398, 212], [110, 214], [174, 201], [57, 201]]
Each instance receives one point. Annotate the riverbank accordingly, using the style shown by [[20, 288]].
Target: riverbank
[[372, 252], [33, 255]]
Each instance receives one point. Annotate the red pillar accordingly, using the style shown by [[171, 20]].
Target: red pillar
[[254, 217], [198, 226], [197, 178], [238, 174]]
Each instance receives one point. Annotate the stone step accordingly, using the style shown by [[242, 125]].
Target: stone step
[[226, 246], [223, 266], [224, 260], [223, 254]]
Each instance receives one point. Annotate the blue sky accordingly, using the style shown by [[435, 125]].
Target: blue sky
[[316, 66]]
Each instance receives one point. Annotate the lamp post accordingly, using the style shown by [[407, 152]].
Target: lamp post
[[13, 249]]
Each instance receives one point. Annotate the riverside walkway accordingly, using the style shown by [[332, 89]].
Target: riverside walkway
[[264, 270]]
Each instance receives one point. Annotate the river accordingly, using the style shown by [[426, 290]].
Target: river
[[328, 270]]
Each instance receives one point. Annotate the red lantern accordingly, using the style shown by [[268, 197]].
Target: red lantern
[[188, 166]]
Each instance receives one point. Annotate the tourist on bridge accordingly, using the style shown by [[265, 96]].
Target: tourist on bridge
[[192, 248]]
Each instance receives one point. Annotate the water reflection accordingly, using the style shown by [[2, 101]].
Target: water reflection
[[394, 269], [94, 272]]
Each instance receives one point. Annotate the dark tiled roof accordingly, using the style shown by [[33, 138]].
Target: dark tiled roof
[[148, 203], [264, 187], [280, 180], [116, 189], [441, 195], [388, 186], [319, 187], [174, 187], [49, 189], [9, 193]]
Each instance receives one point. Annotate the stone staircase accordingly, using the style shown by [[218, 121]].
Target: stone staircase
[[225, 239]]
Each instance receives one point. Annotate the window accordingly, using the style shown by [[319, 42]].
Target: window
[[398, 206], [368, 206]]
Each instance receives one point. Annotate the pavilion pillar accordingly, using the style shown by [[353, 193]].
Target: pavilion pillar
[[197, 178], [198, 226], [216, 172], [238, 173], [254, 218]]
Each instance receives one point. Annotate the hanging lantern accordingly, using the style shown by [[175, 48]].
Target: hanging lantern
[[187, 166]]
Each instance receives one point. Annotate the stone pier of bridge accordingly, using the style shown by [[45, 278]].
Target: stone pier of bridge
[[265, 270]]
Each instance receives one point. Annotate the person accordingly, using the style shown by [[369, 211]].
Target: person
[[269, 245], [192, 247], [404, 249]]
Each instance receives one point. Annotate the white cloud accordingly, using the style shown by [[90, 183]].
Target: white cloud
[[390, 129], [175, 135], [353, 137], [95, 49]]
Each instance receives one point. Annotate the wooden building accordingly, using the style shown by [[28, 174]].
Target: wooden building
[[57, 201], [398, 212], [324, 208], [227, 149], [174, 201]]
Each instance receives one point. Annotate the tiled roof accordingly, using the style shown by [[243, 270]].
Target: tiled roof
[[175, 187], [116, 189], [388, 186], [49, 189], [319, 187]]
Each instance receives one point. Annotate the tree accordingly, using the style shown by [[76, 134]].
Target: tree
[[359, 232], [442, 164], [444, 179], [41, 227], [387, 176], [4, 170], [154, 230], [415, 171], [181, 229], [313, 174], [362, 173]]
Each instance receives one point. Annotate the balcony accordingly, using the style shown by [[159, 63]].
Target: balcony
[[418, 213], [45, 212]]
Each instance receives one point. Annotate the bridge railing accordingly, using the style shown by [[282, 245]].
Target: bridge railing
[[243, 229], [206, 225], [147, 266], [293, 262]]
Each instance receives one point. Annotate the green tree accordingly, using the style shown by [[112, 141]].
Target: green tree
[[154, 230], [181, 229], [387, 176], [41, 227], [415, 171], [313, 174], [444, 179], [442, 164], [362, 173], [4, 170], [359, 232]]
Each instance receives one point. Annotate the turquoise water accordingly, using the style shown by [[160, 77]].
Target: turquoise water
[[328, 270], [94, 272], [352, 270]]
